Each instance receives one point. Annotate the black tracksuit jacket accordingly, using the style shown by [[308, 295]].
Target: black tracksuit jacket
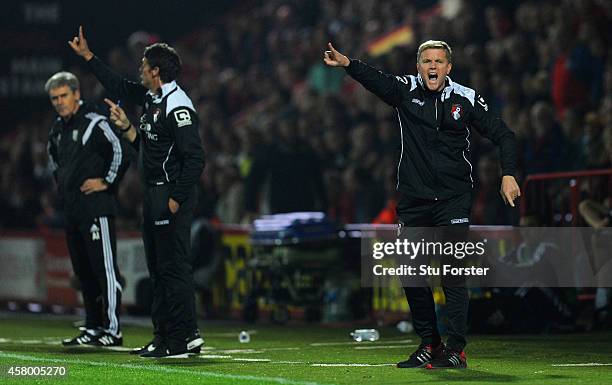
[[84, 147], [170, 146], [435, 161]]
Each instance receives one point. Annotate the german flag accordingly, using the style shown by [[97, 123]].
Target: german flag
[[402, 35]]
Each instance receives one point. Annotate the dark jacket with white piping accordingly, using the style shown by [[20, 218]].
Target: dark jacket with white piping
[[84, 147], [170, 145], [435, 161]]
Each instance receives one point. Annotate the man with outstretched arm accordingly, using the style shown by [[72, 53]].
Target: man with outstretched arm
[[434, 175], [170, 161]]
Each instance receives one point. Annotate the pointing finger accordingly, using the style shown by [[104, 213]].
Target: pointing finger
[[510, 199], [110, 103]]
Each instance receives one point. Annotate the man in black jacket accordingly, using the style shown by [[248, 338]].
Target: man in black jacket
[[434, 174], [170, 160], [88, 162]]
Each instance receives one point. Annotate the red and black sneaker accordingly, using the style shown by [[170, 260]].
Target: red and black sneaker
[[422, 356], [449, 359]]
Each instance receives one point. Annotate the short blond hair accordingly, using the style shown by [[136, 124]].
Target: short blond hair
[[437, 44]]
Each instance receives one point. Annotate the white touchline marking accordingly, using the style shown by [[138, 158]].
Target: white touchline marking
[[3, 340], [239, 351], [383, 347], [162, 369], [117, 348], [272, 349], [28, 342], [252, 359], [358, 343], [358, 365], [229, 334], [213, 356], [290, 362], [584, 364], [248, 351]]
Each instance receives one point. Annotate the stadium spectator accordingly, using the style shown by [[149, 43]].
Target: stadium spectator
[[234, 81], [293, 173], [547, 141]]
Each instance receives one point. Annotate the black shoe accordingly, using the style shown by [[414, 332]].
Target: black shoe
[[106, 340], [450, 359], [147, 348], [164, 351], [422, 356], [194, 343], [87, 337]]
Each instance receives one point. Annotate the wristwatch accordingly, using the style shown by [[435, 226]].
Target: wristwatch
[[127, 129]]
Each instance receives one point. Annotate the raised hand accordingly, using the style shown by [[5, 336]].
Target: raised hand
[[117, 115], [334, 58], [79, 45]]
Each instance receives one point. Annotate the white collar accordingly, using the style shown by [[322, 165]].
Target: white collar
[[165, 90]]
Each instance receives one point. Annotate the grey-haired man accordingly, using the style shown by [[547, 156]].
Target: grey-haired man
[[88, 161]]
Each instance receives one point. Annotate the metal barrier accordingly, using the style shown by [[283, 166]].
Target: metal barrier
[[575, 178]]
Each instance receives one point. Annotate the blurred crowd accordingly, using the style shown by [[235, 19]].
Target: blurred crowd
[[283, 132]]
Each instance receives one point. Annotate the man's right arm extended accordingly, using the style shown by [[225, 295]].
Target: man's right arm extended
[[385, 86], [112, 82]]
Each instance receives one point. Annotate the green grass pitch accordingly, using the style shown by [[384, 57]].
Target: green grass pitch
[[300, 355]]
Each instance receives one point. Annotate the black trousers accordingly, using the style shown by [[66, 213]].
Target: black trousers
[[93, 252], [167, 241], [452, 216]]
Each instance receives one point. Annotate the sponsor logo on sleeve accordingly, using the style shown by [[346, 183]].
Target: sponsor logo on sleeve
[[183, 118]]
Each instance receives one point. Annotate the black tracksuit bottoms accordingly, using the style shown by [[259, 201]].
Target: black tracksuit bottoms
[[453, 214], [92, 245], [167, 241]]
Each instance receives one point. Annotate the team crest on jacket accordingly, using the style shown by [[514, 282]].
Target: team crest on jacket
[[156, 115], [95, 232], [456, 111]]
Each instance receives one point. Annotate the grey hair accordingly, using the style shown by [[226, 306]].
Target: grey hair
[[61, 79], [439, 44]]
